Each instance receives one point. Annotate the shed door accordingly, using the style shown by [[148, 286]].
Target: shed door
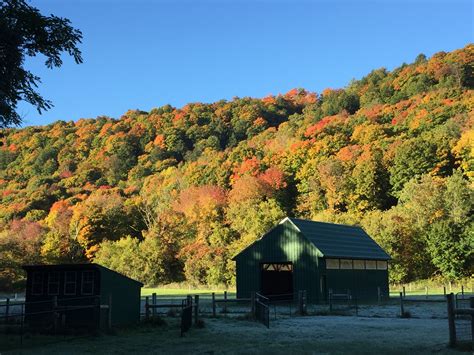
[[277, 279]]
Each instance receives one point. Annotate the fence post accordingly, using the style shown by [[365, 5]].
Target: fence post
[[109, 313], [225, 301], [147, 307], [189, 299], [330, 300], [402, 309], [7, 311], [300, 302], [252, 303], [97, 312], [426, 292], [471, 305], [356, 306], [304, 301], [462, 291], [444, 290], [196, 309], [55, 315], [22, 325], [379, 295], [451, 322], [153, 302], [214, 304], [404, 292]]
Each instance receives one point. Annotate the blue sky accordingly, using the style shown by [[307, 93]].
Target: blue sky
[[142, 54]]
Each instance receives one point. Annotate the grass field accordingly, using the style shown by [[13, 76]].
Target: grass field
[[421, 288]]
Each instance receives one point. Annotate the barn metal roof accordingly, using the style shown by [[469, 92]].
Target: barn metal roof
[[339, 240]]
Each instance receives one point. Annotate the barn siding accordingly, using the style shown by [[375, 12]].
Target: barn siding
[[125, 297], [282, 244], [362, 284]]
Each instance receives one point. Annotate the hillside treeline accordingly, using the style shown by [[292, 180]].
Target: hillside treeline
[[172, 194]]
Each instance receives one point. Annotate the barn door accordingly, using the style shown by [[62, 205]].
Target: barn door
[[277, 279]]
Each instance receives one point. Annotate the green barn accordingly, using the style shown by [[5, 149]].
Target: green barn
[[314, 256], [76, 287]]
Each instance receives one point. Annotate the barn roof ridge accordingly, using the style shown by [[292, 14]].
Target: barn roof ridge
[[323, 222]]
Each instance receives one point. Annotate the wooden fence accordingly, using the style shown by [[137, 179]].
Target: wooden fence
[[55, 316]]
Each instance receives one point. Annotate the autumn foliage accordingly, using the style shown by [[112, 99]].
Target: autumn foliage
[[172, 194]]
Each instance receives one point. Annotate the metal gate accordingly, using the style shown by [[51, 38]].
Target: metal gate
[[186, 316], [262, 310]]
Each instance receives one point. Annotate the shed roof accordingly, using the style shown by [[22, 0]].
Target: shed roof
[[339, 240], [76, 266]]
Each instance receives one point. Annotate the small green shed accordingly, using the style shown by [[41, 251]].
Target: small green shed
[[314, 256], [75, 288]]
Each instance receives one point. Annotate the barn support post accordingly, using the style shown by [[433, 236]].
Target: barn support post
[[147, 308], [7, 310], [214, 304], [153, 302], [451, 322], [225, 301], [109, 313], [402, 309], [196, 309], [252, 303]]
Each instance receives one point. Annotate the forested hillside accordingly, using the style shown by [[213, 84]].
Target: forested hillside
[[172, 194]]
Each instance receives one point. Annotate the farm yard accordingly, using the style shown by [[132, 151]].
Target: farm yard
[[372, 329], [301, 335]]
